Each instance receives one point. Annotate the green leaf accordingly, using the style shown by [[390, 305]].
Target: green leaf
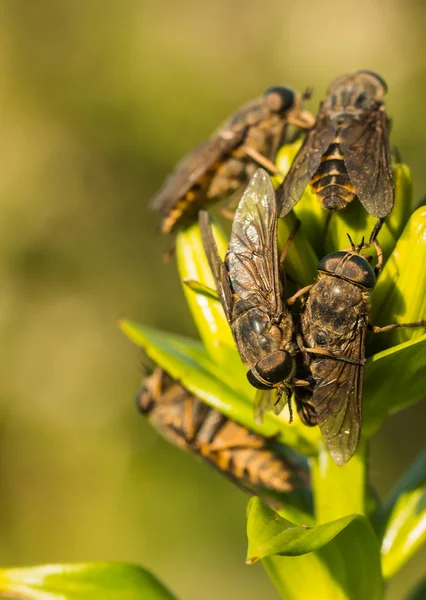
[[339, 559], [227, 390], [330, 483], [402, 519], [207, 312], [301, 261], [400, 293], [394, 379], [105, 581], [401, 211]]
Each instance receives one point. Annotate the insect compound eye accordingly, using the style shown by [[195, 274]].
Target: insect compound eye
[[352, 267], [359, 271], [275, 367], [280, 98], [379, 79], [331, 262], [255, 382]]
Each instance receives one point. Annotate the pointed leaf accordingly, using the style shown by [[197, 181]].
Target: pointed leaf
[[400, 292], [403, 518], [394, 379], [227, 390], [207, 312], [103, 581], [339, 559]]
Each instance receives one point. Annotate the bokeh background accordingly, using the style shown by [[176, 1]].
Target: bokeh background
[[98, 101]]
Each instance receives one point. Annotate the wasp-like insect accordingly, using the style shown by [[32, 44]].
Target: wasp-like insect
[[333, 327], [226, 162], [250, 287], [243, 456], [346, 154]]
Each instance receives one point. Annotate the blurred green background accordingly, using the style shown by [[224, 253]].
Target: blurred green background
[[98, 101]]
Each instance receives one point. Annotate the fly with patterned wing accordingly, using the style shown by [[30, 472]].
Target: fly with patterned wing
[[346, 154], [332, 335], [250, 288]]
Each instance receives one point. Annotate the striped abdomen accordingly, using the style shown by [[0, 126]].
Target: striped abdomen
[[237, 452], [244, 455], [331, 182]]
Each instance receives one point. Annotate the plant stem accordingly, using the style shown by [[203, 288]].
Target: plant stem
[[339, 491]]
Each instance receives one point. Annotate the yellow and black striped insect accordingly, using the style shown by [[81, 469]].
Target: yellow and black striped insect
[[347, 153], [225, 163], [243, 456]]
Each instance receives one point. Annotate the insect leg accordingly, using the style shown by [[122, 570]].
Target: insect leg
[[377, 329], [226, 212], [284, 253], [288, 401], [322, 352], [379, 253], [327, 224], [289, 242], [298, 294], [376, 229], [261, 160]]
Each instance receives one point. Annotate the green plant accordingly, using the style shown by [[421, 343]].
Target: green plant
[[352, 544], [355, 544]]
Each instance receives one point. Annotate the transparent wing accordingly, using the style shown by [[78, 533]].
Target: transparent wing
[[306, 163], [268, 400], [252, 257], [367, 155], [217, 266], [337, 398]]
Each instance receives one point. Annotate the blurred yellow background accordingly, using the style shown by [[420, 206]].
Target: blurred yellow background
[[98, 101]]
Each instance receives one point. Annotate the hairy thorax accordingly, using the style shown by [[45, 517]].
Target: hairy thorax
[[334, 308]]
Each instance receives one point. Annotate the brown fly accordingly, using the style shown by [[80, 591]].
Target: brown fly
[[225, 163], [333, 327], [346, 154], [250, 287], [243, 456]]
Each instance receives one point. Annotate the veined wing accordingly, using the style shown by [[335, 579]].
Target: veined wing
[[306, 163], [337, 398], [217, 266], [252, 257], [367, 156]]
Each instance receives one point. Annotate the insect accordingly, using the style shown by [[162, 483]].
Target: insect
[[346, 154], [243, 456], [250, 285], [225, 163], [333, 327]]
